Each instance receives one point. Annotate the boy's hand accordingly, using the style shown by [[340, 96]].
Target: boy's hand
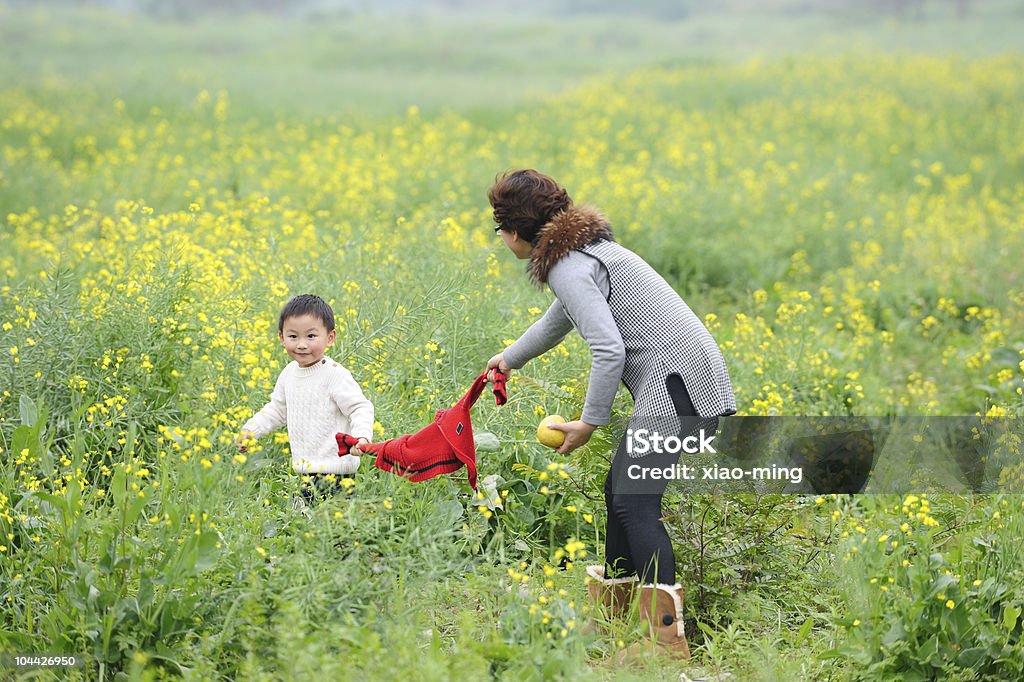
[[354, 450], [243, 441]]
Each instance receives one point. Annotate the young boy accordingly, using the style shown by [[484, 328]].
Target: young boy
[[315, 396]]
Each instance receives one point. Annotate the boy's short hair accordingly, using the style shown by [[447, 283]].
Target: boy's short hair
[[307, 304]]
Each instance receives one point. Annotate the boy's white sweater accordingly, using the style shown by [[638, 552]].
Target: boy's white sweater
[[316, 402]]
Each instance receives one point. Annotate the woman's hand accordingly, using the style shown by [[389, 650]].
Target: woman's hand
[[357, 448], [498, 361], [577, 433]]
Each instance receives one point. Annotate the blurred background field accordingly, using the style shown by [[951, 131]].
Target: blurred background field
[[364, 60], [836, 188]]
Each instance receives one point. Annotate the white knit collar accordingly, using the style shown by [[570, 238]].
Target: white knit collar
[[311, 370]]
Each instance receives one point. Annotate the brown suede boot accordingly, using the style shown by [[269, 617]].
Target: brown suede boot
[[614, 594], [661, 606]]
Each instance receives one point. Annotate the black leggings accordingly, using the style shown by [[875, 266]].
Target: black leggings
[[636, 542]]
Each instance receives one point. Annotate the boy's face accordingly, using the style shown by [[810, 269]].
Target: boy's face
[[305, 338]]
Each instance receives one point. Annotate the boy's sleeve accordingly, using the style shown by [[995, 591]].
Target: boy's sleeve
[[348, 396], [272, 416]]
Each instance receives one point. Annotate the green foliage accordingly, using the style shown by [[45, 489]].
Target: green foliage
[[944, 604]]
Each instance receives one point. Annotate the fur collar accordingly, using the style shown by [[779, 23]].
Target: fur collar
[[568, 230]]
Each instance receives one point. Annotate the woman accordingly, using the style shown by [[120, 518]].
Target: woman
[[640, 332]]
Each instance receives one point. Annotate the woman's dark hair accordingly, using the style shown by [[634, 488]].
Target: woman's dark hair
[[306, 304], [525, 200]]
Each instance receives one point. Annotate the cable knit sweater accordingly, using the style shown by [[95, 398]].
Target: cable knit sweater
[[316, 402]]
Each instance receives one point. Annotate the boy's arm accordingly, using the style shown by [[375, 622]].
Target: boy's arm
[[272, 416], [348, 396]]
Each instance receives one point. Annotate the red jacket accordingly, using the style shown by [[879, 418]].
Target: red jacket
[[441, 448]]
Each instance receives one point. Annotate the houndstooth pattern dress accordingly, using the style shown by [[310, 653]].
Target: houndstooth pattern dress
[[662, 336]]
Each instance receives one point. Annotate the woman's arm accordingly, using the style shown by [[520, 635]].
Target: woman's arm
[[542, 336], [574, 280]]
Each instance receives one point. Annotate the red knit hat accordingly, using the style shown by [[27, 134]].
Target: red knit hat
[[441, 448]]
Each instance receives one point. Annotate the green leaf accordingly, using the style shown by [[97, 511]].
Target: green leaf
[[959, 622], [133, 429], [855, 653], [46, 460], [971, 658], [168, 624], [929, 650], [915, 676], [19, 641], [448, 513], [941, 584], [135, 506], [118, 486], [207, 551], [37, 431], [486, 442], [29, 411], [20, 440], [125, 607], [55, 501], [1010, 616], [146, 594], [896, 633], [524, 515], [804, 630]]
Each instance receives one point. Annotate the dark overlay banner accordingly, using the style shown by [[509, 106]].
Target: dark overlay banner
[[820, 455]]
